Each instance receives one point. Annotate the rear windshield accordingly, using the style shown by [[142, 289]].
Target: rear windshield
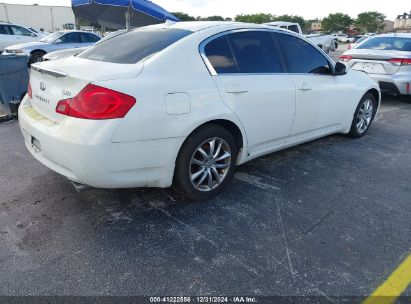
[[387, 44], [131, 47]]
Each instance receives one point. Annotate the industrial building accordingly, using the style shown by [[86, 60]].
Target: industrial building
[[48, 18]]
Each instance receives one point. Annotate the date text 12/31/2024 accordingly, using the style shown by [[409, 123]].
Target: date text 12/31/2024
[[237, 299]]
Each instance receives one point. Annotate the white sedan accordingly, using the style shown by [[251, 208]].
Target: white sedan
[[185, 103]]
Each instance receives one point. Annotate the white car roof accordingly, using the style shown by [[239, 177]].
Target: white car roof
[[196, 26]]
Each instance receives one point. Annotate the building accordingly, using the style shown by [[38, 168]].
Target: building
[[403, 23], [388, 26], [48, 18], [316, 26]]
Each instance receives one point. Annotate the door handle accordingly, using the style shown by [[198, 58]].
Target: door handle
[[304, 88], [237, 92], [236, 89]]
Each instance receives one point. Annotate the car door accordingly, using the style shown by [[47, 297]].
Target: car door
[[6, 37], [22, 35], [320, 96], [248, 71], [88, 39], [69, 40]]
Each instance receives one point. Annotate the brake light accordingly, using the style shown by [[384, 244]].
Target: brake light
[[94, 102], [29, 91], [400, 61], [345, 58]]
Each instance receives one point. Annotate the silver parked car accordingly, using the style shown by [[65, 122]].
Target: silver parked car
[[73, 52], [385, 58], [54, 42]]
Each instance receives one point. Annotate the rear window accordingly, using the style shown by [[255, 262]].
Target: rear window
[[387, 44], [131, 47]]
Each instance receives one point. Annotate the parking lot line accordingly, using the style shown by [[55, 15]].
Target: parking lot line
[[394, 286]]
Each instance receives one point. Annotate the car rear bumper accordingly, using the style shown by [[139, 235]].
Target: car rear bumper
[[99, 163], [398, 84]]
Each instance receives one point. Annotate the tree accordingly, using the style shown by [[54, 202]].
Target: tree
[[370, 22], [265, 18], [184, 16], [255, 18], [213, 18], [336, 22]]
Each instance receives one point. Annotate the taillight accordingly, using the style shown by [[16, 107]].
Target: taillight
[[94, 102], [400, 61], [29, 91], [345, 58]]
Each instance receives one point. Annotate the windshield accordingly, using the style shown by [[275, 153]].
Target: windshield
[[361, 40], [134, 46], [387, 44], [33, 30], [52, 37]]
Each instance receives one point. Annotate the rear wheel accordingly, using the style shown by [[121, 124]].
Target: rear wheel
[[206, 163], [36, 56], [364, 116]]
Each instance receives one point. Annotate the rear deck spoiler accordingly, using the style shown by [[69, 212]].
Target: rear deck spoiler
[[48, 71]]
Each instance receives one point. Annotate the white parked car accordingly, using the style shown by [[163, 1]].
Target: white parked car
[[57, 41], [187, 102], [344, 38], [11, 34]]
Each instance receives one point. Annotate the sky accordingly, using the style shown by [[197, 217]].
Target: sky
[[309, 9]]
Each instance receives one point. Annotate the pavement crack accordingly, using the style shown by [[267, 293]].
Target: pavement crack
[[280, 222], [319, 222], [194, 231], [190, 228]]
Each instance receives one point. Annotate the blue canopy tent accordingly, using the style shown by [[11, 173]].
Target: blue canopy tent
[[120, 14]]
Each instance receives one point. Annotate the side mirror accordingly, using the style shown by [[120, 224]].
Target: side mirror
[[58, 41], [340, 69], [33, 35]]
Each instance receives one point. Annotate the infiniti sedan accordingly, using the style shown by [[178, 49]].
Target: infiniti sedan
[[182, 104], [385, 58], [54, 42]]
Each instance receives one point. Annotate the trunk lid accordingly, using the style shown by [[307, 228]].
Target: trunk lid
[[53, 81], [375, 61]]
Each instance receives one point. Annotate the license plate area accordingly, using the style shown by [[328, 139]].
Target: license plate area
[[370, 67], [35, 144]]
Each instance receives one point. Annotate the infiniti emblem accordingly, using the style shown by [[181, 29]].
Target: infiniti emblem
[[42, 86]]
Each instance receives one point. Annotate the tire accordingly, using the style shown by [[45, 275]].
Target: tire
[[199, 176], [36, 56], [363, 116]]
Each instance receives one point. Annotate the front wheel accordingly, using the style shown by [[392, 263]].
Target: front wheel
[[206, 163], [36, 57], [364, 116]]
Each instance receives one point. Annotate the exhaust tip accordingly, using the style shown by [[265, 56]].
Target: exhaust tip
[[80, 187]]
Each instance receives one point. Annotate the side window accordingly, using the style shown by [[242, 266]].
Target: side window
[[3, 30], [70, 38], [254, 52], [219, 54], [20, 31], [294, 28], [88, 38], [302, 57]]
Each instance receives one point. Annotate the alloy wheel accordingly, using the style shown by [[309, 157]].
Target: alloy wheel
[[364, 116], [210, 164]]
